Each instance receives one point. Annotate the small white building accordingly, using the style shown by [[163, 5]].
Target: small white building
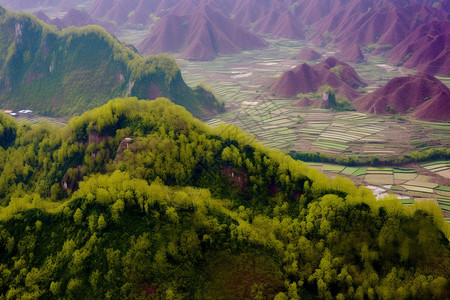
[[25, 112]]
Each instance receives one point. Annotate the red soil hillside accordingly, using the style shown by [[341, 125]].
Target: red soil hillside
[[76, 18], [145, 8], [187, 7], [279, 25], [142, 12], [427, 49], [424, 95], [42, 16], [308, 54], [246, 12], [200, 36], [351, 54], [311, 12], [305, 79], [436, 109], [114, 10], [132, 11], [168, 35], [367, 22]]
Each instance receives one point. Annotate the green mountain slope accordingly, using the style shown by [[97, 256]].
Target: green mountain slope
[[63, 73], [139, 200]]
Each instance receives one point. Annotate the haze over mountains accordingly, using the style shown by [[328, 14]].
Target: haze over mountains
[[343, 23], [77, 18], [411, 33], [201, 35]]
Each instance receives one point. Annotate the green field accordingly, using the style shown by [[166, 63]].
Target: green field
[[405, 176], [360, 171], [431, 165], [407, 201], [349, 170], [443, 188], [333, 168]]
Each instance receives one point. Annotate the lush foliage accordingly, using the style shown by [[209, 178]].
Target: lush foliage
[[66, 72], [8, 130], [137, 199], [372, 160], [335, 103]]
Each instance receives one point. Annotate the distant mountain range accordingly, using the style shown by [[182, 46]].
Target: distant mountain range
[[77, 18], [180, 26], [410, 33], [201, 35]]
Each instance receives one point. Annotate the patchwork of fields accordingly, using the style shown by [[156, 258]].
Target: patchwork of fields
[[242, 82], [408, 184]]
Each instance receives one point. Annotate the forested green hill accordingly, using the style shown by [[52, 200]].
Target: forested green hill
[[66, 72], [139, 200]]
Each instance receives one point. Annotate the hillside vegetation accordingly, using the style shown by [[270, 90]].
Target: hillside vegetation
[[66, 72], [139, 200]]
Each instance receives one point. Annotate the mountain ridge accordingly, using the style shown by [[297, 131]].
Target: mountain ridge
[[200, 36], [66, 72]]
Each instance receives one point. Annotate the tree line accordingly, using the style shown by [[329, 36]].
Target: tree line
[[139, 200]]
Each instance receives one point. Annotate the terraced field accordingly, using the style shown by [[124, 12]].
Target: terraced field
[[242, 82], [441, 168], [408, 184]]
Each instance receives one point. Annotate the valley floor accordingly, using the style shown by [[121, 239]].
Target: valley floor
[[242, 81]]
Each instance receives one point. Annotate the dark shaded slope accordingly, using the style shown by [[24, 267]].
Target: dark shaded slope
[[67, 72], [423, 95]]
